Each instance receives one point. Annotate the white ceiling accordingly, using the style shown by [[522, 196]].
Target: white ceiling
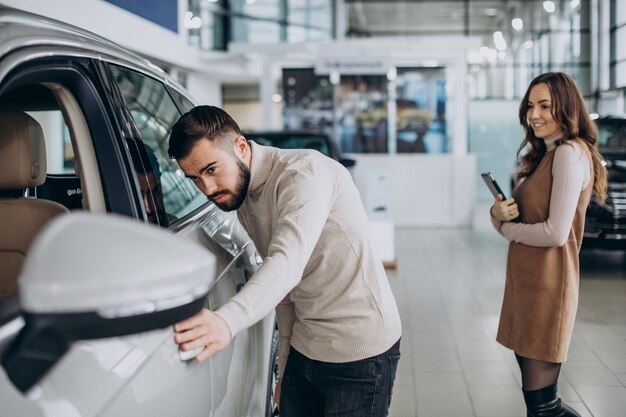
[[428, 17]]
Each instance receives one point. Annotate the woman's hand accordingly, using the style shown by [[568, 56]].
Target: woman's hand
[[504, 210]]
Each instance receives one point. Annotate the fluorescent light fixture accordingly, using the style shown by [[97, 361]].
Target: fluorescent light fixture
[[517, 23], [549, 6]]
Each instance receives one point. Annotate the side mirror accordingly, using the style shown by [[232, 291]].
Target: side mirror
[[91, 276], [346, 162]]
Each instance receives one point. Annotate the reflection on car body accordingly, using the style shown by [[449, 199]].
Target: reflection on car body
[[104, 116]]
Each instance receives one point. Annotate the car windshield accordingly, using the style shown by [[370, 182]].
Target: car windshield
[[292, 141], [612, 135]]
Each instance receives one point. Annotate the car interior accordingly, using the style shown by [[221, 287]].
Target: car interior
[[41, 173]]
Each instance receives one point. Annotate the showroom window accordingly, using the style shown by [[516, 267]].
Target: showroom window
[[354, 108], [211, 25], [618, 44]]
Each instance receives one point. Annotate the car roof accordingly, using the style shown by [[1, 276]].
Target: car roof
[[19, 29]]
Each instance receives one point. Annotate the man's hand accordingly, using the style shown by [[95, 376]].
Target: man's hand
[[277, 392], [205, 329]]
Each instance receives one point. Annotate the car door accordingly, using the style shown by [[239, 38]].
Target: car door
[[66, 91], [239, 372]]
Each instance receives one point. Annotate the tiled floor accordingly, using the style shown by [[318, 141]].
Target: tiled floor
[[448, 286]]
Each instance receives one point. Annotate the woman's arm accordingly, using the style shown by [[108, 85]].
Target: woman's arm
[[571, 174]]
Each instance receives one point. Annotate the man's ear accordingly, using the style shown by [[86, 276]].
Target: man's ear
[[242, 148]]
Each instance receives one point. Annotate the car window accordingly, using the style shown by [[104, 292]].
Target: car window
[[154, 112], [59, 151], [183, 102]]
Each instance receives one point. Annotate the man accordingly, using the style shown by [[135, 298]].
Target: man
[[338, 321]]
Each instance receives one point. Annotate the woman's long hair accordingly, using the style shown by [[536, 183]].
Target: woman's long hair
[[570, 112]]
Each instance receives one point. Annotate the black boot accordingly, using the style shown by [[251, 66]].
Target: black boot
[[545, 403]]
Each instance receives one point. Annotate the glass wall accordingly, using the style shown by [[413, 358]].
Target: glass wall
[[353, 109], [211, 24], [618, 42], [534, 38]]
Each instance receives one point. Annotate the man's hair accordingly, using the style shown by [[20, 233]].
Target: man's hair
[[201, 122]]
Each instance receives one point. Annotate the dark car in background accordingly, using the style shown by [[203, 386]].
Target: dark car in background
[[606, 224], [287, 139]]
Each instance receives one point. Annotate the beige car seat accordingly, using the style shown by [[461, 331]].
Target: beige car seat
[[22, 165]]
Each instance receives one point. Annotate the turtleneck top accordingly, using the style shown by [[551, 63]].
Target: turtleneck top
[[571, 172]]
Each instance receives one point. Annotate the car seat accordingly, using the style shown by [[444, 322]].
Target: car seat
[[22, 165]]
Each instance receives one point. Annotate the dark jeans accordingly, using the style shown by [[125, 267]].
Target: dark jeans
[[353, 389]]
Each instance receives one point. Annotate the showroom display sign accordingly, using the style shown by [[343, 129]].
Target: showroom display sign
[[352, 65]]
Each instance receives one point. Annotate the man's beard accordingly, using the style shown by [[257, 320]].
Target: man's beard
[[240, 192]]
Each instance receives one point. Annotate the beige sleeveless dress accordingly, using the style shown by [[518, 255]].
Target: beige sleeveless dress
[[541, 291]]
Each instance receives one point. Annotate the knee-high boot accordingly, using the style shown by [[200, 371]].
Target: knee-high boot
[[545, 403]]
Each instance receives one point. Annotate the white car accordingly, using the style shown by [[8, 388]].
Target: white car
[[89, 288]]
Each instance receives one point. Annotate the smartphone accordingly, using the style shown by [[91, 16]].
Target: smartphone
[[492, 184], [495, 189]]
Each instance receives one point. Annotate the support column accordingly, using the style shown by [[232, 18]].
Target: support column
[[267, 89], [340, 20]]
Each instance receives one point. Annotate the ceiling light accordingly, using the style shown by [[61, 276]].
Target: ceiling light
[[528, 44], [277, 98], [191, 21], [574, 4], [499, 41], [517, 23], [549, 6], [488, 53]]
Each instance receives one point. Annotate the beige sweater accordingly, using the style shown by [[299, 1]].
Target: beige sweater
[[305, 216]]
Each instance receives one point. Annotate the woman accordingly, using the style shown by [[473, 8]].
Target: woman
[[559, 173]]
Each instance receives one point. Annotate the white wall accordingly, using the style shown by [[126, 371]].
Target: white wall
[[425, 190], [204, 88], [118, 25], [249, 115]]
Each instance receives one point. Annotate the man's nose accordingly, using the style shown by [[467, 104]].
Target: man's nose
[[146, 203], [208, 186]]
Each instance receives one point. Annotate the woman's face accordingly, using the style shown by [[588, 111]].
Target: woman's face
[[539, 113]]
